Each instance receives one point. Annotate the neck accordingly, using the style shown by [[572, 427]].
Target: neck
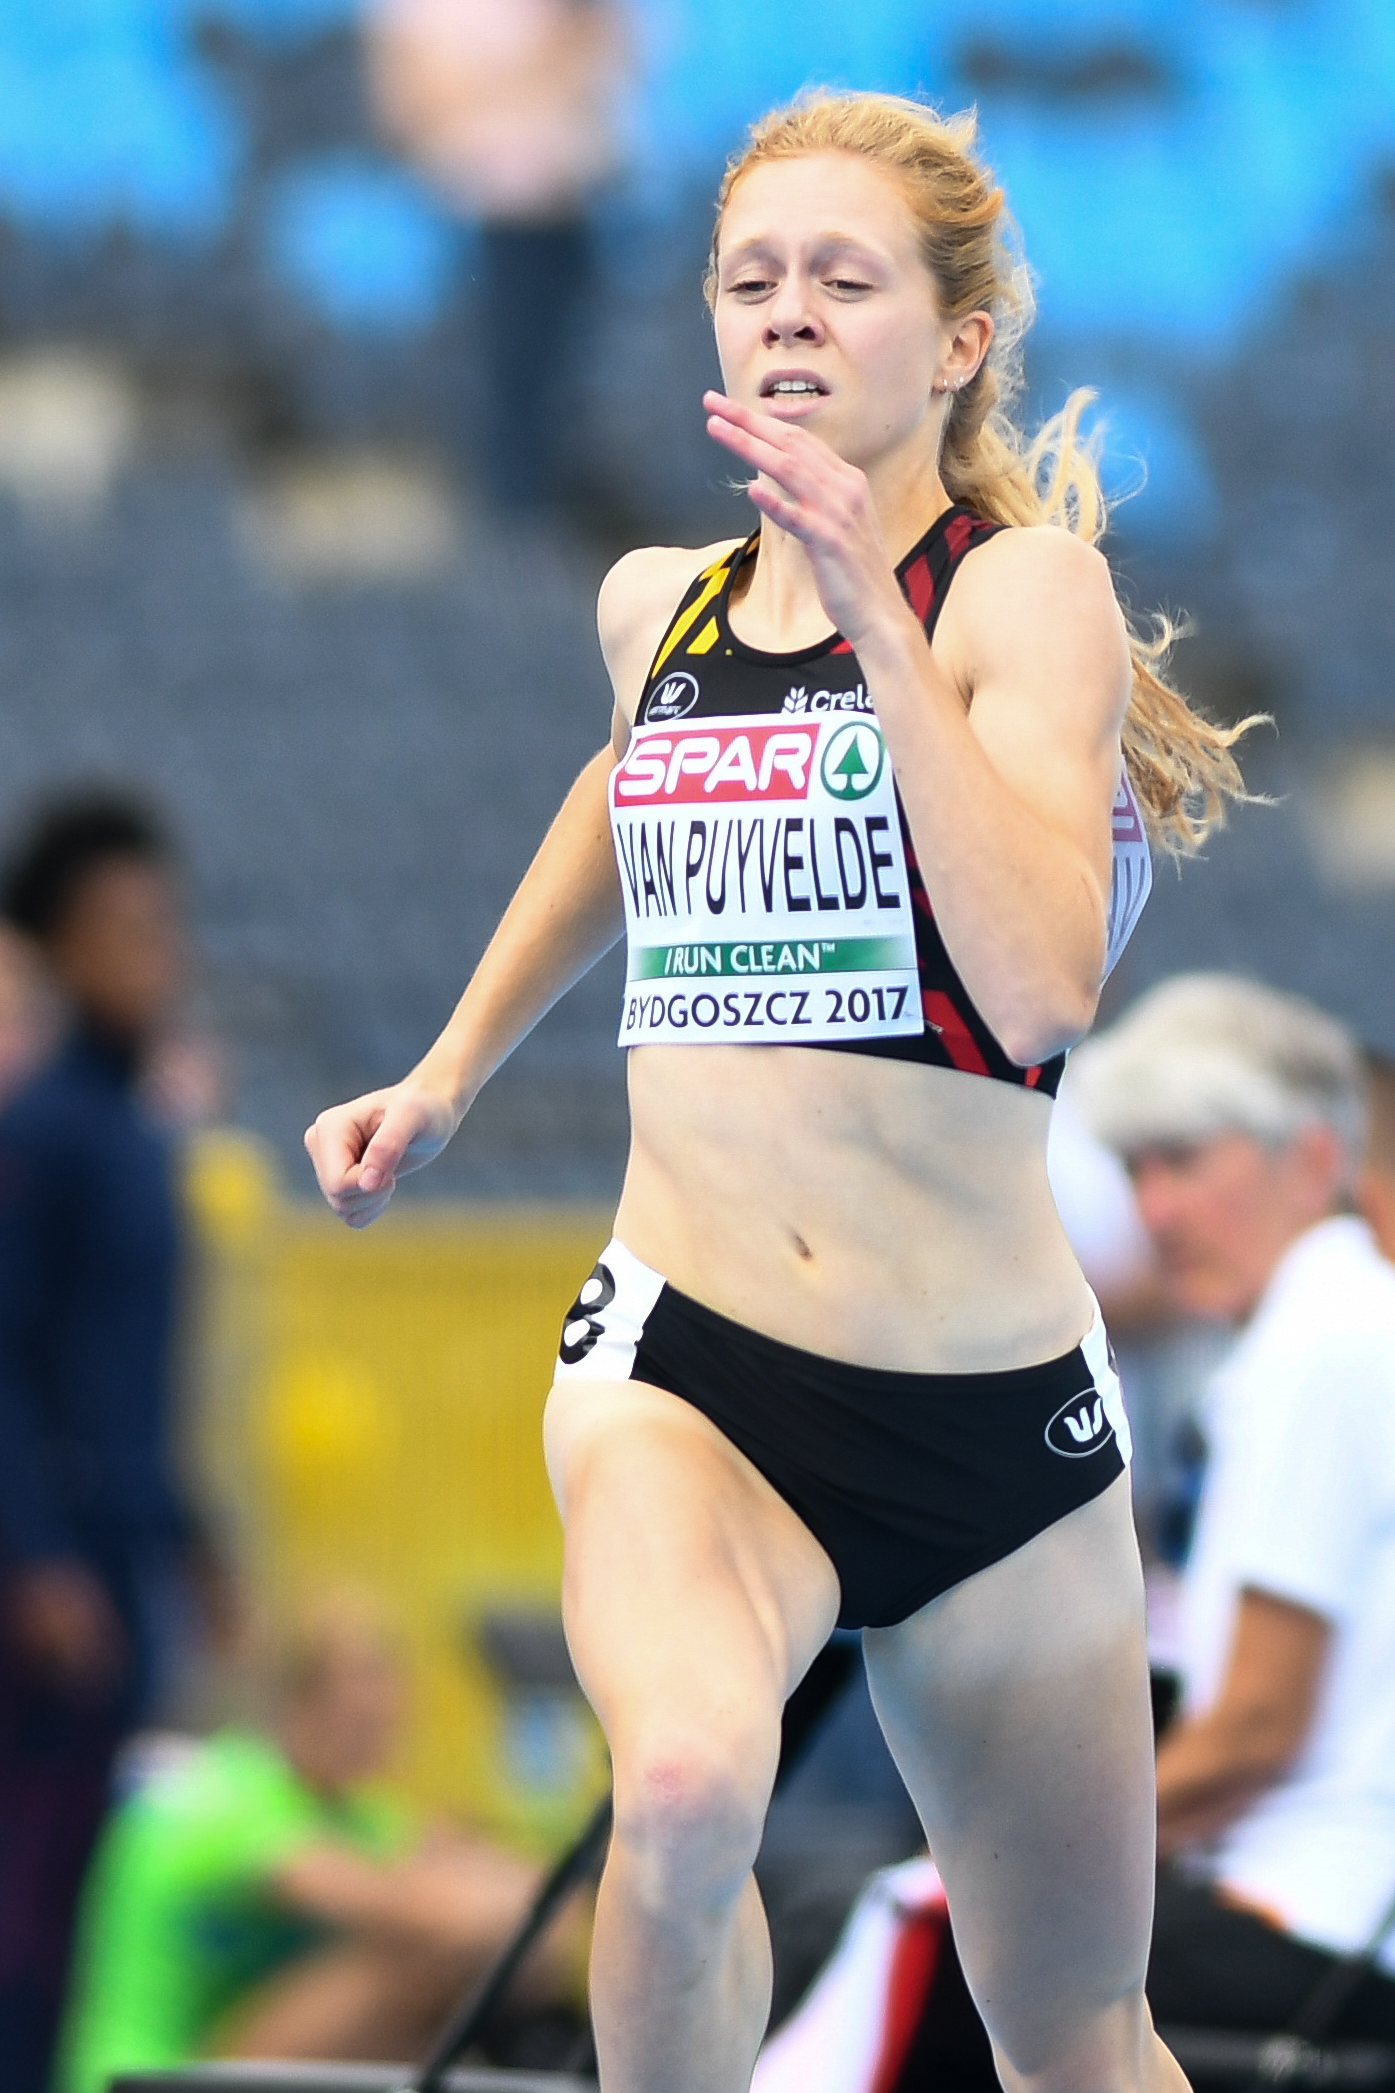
[[124, 1050], [782, 594]]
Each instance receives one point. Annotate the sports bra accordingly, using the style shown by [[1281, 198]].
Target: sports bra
[[772, 894]]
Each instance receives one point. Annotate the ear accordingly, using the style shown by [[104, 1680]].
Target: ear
[[1321, 1164], [968, 346]]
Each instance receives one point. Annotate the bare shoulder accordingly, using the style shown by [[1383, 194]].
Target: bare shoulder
[[637, 598], [1033, 610], [1039, 565]]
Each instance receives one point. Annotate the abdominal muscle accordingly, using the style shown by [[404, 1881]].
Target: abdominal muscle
[[881, 1212]]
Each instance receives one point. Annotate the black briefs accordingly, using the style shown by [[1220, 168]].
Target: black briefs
[[909, 1482]]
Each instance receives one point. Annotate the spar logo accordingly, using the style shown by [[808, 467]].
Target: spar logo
[[852, 761], [698, 765], [676, 695]]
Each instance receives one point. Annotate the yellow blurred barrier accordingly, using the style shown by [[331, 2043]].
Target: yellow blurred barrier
[[371, 1412]]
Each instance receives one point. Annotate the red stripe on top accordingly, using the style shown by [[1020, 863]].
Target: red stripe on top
[[958, 531], [914, 1960], [1031, 1076], [959, 1042], [919, 586], [843, 647]]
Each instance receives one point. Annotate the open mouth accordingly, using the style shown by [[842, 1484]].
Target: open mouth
[[797, 386]]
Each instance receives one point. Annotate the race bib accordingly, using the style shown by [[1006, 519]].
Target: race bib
[[766, 895]]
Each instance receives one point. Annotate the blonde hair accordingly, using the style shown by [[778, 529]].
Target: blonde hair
[[1179, 761]]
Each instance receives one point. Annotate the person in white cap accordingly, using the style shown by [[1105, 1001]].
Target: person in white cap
[[1240, 1113]]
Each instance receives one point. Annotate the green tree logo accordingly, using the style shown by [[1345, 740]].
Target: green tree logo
[[852, 761]]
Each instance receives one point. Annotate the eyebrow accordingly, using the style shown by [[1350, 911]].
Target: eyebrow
[[825, 247]]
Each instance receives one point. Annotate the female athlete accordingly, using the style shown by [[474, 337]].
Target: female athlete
[[865, 818]]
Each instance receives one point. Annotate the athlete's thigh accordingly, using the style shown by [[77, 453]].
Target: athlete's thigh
[[692, 1594], [1017, 1708]]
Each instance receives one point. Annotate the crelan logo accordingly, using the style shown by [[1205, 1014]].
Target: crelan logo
[[1080, 1427]]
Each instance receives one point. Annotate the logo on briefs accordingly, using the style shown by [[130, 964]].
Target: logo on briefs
[[1080, 1426], [583, 1328], [852, 761], [676, 695]]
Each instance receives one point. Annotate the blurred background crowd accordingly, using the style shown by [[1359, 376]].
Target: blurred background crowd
[[343, 343]]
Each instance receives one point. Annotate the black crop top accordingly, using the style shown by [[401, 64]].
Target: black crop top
[[772, 893]]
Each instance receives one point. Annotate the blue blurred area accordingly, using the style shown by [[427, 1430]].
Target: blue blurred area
[[107, 115], [279, 22], [1172, 163], [1168, 163], [1154, 467], [360, 243]]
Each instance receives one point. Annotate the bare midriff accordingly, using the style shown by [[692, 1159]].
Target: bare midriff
[[875, 1211]]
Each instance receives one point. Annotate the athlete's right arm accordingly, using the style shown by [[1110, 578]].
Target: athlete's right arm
[[566, 913]]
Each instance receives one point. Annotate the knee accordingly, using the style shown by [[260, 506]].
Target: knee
[[1114, 2050], [689, 1813]]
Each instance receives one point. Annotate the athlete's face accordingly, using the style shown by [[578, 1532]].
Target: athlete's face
[[1221, 1213], [826, 313]]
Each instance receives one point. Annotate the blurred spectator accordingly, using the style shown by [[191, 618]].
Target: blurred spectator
[[1240, 1113], [508, 109], [1376, 1191], [1164, 1356], [1100, 1217], [26, 1012], [262, 1899], [95, 1539]]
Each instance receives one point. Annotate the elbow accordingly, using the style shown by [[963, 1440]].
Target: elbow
[[1033, 1033], [1045, 1016]]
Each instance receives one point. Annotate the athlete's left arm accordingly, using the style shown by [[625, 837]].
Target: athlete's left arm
[[1005, 740], [1006, 746]]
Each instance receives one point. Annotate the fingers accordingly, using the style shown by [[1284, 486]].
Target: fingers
[[761, 440], [338, 1144], [755, 420], [338, 1139], [383, 1156], [360, 1150], [818, 486], [752, 450]]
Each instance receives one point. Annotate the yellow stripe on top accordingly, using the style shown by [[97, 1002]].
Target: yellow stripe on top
[[706, 639], [713, 580]]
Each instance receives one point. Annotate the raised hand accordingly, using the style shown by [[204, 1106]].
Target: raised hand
[[815, 495], [359, 1150]]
